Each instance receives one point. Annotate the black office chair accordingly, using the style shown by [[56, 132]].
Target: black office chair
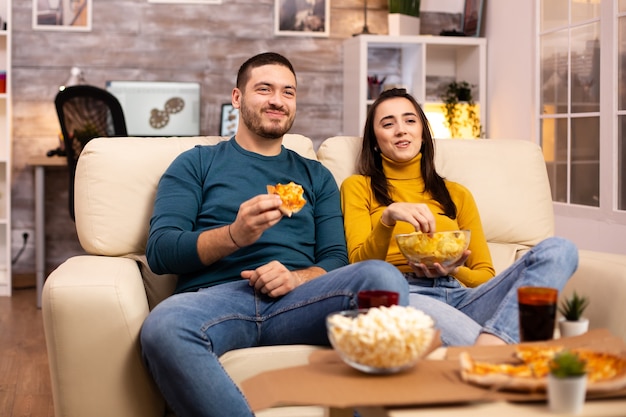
[[86, 112]]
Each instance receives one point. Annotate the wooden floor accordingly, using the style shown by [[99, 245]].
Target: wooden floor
[[24, 377]]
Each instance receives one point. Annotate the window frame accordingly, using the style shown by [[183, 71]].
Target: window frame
[[608, 160]]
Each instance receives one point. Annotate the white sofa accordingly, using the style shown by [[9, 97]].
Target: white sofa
[[94, 305]]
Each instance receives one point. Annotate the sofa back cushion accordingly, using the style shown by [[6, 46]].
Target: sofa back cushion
[[339, 154], [508, 179], [115, 186]]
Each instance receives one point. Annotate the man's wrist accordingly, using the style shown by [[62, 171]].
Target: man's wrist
[[230, 233]]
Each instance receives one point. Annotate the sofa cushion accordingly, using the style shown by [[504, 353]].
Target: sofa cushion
[[602, 277], [113, 213], [504, 254], [515, 204], [339, 154]]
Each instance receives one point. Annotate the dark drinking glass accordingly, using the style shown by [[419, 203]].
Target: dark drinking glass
[[537, 312], [377, 298]]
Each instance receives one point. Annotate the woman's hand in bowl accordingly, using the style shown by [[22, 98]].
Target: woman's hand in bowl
[[438, 270]]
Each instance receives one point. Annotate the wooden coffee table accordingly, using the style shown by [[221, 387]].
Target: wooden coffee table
[[594, 408], [433, 388]]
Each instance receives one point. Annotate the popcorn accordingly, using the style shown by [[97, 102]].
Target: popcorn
[[382, 337]]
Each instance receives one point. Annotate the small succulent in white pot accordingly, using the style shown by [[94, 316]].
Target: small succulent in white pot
[[567, 383], [406, 7], [403, 17], [572, 308]]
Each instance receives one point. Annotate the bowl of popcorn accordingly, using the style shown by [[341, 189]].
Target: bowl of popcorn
[[444, 248], [381, 340]]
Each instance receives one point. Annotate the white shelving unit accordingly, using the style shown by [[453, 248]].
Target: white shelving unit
[[414, 63], [5, 150]]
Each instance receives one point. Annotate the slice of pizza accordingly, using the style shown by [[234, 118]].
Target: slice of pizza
[[605, 371], [537, 357], [506, 376], [291, 195]]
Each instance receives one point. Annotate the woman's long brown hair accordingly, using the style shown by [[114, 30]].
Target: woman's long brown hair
[[371, 162]]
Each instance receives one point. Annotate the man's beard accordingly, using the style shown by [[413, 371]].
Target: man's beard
[[254, 123]]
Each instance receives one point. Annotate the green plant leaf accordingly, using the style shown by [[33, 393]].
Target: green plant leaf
[[455, 93], [572, 308], [567, 364], [406, 7]]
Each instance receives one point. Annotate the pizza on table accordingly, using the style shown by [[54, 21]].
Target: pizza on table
[[530, 365]]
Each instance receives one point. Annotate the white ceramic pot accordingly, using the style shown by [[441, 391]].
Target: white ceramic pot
[[566, 395], [401, 24], [573, 328]]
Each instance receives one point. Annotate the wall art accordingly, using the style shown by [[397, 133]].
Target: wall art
[[187, 1], [473, 17], [302, 17], [71, 15], [229, 120]]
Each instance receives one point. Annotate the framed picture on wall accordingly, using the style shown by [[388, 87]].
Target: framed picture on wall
[[302, 17], [229, 120], [472, 17], [72, 15], [186, 1]]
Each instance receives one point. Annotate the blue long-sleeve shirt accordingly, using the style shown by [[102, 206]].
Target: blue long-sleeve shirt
[[203, 188]]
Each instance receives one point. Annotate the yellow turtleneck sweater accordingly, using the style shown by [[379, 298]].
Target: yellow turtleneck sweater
[[368, 238]]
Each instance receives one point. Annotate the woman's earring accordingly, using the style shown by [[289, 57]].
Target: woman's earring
[[376, 149]]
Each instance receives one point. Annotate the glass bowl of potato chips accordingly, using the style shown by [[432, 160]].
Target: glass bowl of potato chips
[[381, 340], [444, 248]]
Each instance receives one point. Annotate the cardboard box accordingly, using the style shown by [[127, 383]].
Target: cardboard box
[[327, 381]]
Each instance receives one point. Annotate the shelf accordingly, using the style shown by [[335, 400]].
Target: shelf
[[421, 64]]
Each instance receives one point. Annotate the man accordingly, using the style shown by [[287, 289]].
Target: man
[[248, 276]]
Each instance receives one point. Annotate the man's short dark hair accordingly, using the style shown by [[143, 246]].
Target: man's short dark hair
[[266, 58]]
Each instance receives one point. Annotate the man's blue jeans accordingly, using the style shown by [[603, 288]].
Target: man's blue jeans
[[492, 307], [184, 335]]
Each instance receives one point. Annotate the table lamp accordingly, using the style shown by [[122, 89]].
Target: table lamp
[[76, 77], [365, 30]]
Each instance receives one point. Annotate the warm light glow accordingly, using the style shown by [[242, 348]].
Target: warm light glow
[[437, 119]]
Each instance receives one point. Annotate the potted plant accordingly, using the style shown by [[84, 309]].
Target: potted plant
[[460, 109], [567, 383], [572, 308], [403, 17]]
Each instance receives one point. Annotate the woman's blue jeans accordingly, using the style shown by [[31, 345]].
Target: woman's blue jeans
[[492, 307], [184, 335]]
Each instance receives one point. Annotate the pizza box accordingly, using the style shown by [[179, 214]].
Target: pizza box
[[327, 381]]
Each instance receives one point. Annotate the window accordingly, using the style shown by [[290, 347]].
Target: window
[[621, 106], [569, 93]]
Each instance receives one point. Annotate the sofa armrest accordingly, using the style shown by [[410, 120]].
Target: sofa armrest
[[93, 308], [602, 277]]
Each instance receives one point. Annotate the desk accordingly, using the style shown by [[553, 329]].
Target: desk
[[40, 163]]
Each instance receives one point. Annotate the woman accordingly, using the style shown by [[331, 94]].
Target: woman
[[399, 191]]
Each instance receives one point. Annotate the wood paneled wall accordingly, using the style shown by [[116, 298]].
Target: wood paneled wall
[[137, 40]]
